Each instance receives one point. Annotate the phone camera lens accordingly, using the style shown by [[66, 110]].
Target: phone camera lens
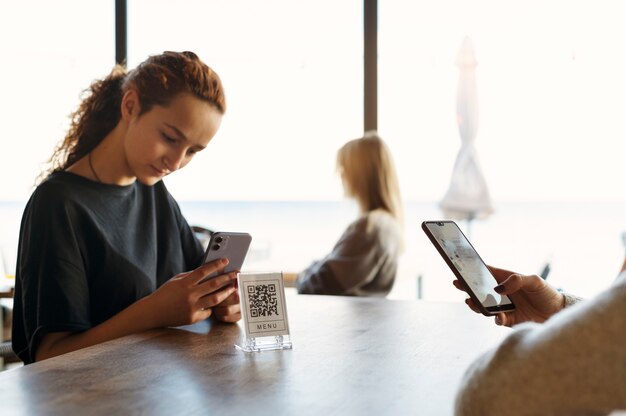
[[219, 239], [216, 246]]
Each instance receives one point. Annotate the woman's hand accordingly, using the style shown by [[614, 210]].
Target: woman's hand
[[534, 299], [229, 310], [185, 299]]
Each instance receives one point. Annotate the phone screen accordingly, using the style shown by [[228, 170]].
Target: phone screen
[[462, 256]]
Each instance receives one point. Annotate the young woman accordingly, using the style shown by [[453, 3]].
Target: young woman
[[365, 259], [104, 250]]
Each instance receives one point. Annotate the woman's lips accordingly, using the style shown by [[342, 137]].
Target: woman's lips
[[159, 172]]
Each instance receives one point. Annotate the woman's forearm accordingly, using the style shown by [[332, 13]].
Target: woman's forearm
[[182, 300], [567, 365], [135, 318]]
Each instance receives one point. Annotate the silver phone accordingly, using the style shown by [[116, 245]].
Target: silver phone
[[230, 245]]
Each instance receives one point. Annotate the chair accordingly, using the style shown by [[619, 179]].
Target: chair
[[7, 355], [202, 234]]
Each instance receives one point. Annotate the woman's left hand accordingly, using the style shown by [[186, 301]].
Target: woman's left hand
[[228, 310]]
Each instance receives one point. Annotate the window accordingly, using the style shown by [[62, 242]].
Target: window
[[292, 72], [51, 52], [551, 87]]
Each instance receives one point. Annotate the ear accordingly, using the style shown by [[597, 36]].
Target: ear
[[131, 107]]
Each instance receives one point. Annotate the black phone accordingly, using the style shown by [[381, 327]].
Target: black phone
[[467, 266], [231, 245]]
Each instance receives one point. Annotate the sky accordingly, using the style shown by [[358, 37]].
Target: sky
[[550, 91]]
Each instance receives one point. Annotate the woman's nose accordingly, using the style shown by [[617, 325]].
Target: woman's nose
[[173, 161]]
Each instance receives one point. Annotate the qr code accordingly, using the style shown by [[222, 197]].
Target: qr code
[[262, 300]]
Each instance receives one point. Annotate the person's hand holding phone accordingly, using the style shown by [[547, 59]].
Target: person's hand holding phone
[[189, 297], [230, 309], [535, 300]]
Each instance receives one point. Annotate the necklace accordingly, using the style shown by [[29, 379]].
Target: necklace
[[92, 169]]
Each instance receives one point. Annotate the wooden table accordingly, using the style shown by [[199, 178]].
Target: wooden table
[[351, 356]]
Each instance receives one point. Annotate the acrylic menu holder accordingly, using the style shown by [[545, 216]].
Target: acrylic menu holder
[[264, 312]]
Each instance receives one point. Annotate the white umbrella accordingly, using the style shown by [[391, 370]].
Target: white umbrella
[[467, 197]]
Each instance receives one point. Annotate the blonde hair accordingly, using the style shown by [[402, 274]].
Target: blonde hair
[[369, 174]]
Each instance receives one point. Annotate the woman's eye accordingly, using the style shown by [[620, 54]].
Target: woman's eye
[[168, 138]]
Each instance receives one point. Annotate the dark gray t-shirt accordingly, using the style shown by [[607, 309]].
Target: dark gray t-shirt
[[89, 250]]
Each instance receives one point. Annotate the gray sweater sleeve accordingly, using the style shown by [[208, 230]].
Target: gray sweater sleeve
[[573, 364], [364, 257]]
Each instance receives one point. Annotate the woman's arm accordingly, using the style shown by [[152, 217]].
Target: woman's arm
[[180, 301], [364, 256], [571, 364], [350, 264]]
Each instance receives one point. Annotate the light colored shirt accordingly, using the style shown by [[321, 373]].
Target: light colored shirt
[[572, 364], [363, 262]]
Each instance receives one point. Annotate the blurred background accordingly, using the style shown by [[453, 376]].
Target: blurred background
[[549, 81]]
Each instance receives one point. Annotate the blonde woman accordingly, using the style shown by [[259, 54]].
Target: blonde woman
[[365, 259]]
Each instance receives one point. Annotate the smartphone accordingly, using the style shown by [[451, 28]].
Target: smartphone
[[467, 266], [233, 246]]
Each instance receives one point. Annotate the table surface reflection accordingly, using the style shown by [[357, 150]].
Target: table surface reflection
[[350, 356]]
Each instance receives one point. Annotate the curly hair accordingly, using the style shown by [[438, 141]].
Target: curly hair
[[157, 81]]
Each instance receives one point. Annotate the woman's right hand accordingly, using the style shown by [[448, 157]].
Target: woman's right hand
[[185, 299], [534, 299]]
